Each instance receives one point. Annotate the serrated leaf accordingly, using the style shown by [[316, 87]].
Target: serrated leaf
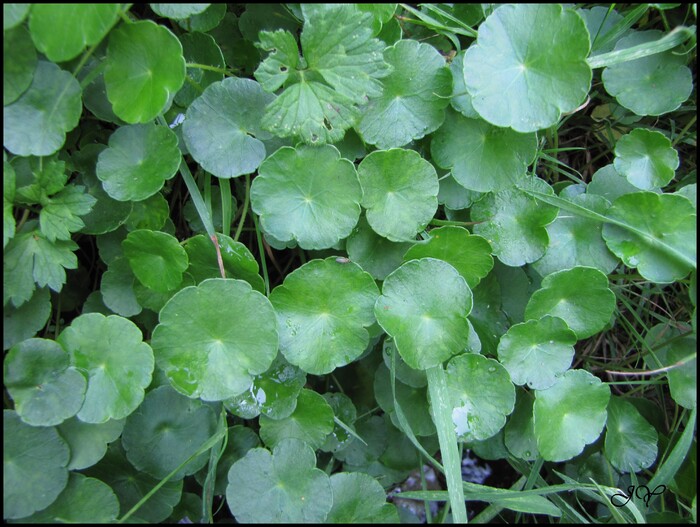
[[140, 158], [481, 156], [528, 66], [60, 216], [118, 364], [37, 122], [570, 415], [342, 67], [156, 258], [630, 441], [468, 253], [316, 208], [282, 486], [399, 192], [222, 127], [414, 99], [323, 311], [62, 31], [424, 307], [214, 337], [586, 310], [145, 67], [536, 351], [652, 85], [165, 431], [646, 158], [657, 218]]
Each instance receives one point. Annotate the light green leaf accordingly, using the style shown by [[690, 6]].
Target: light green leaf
[[45, 388], [222, 127], [21, 323], [284, 486], [374, 253], [178, 11], [117, 288], [570, 415], [84, 500], [323, 311], [577, 241], [528, 66], [110, 351], [37, 123], [414, 99], [482, 157], [599, 21], [34, 466], [399, 192], [213, 338], [646, 158], [311, 422], [60, 215], [88, 442], [145, 68], [469, 254], [658, 219], [514, 224], [424, 307], [317, 208], [630, 441], [140, 158], [156, 258], [481, 395], [652, 85], [62, 31], [580, 296], [359, 498], [166, 430], [461, 100], [537, 351], [341, 67], [14, 14], [19, 63], [454, 196], [610, 184]]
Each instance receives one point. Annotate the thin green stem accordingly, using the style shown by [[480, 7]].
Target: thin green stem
[[261, 250], [226, 212], [685, 129], [207, 67], [246, 199]]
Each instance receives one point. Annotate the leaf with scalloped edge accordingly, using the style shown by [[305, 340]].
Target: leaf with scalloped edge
[[646, 158], [528, 66], [630, 441], [156, 258]]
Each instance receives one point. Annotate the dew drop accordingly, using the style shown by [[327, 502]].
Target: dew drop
[[492, 369], [528, 454]]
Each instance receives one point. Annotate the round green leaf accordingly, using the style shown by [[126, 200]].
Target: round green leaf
[[610, 184], [213, 338], [237, 259], [375, 254], [323, 309], [205, 21], [481, 395], [156, 258], [14, 14], [140, 158], [482, 157], [88, 442], [34, 466], [461, 100], [630, 441], [37, 122], [414, 99], [178, 11], [273, 393], [62, 31], [45, 388], [23, 322], [150, 213], [284, 486], [19, 63], [311, 422], [118, 364], [117, 288], [454, 196], [570, 415], [165, 431], [359, 498], [468, 253], [528, 66], [399, 192], [317, 208], [536, 351], [424, 307], [646, 158], [576, 240], [663, 241], [652, 85], [199, 48], [222, 127], [519, 432], [84, 500], [580, 296], [145, 67], [514, 223]]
